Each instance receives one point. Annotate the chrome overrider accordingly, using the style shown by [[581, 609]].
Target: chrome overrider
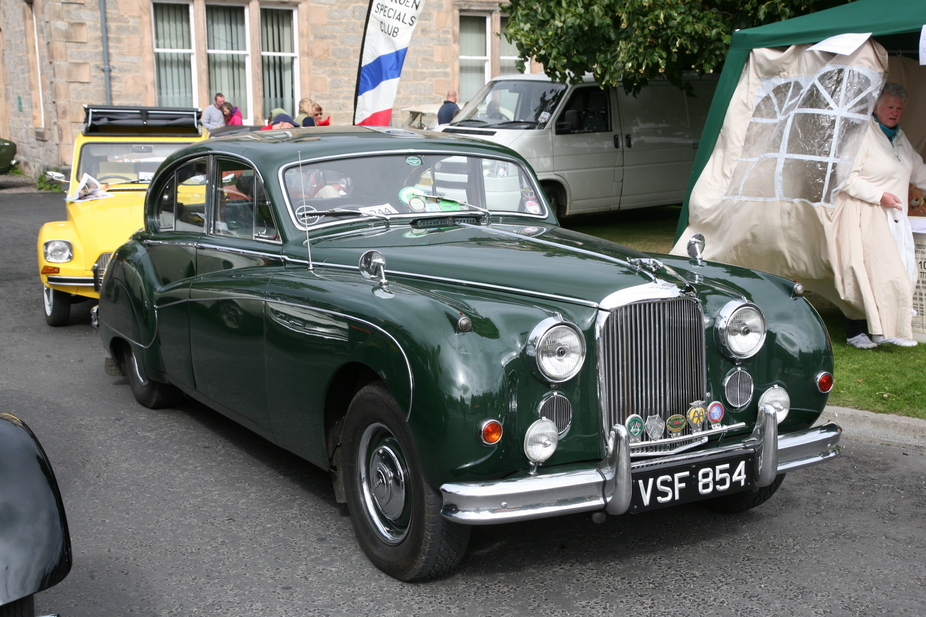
[[609, 486]]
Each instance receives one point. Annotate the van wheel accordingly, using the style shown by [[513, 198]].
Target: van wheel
[[394, 512], [57, 307], [151, 394], [556, 197]]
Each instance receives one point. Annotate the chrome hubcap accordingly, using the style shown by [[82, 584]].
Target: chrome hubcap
[[384, 479]]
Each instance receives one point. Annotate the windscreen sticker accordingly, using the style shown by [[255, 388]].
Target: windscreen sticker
[[406, 194], [414, 161], [381, 209], [532, 206], [544, 117]]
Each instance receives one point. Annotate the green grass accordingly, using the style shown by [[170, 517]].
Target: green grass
[[886, 379]]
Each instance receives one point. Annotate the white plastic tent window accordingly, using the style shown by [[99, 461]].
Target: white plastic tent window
[[804, 134]]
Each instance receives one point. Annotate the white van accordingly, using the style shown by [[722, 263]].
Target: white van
[[594, 149]]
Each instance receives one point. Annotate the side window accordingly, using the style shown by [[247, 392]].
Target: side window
[[181, 204], [592, 107], [242, 209]]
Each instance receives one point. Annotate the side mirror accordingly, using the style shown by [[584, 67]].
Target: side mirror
[[696, 247], [56, 176], [571, 122]]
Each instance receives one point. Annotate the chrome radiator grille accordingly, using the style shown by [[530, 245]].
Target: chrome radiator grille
[[652, 363]]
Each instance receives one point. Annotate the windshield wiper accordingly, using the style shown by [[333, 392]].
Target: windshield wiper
[[508, 122], [439, 199], [338, 212], [469, 122]]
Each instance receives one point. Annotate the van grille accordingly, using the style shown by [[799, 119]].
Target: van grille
[[653, 363]]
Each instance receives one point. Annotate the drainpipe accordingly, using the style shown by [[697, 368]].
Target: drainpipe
[[106, 68]]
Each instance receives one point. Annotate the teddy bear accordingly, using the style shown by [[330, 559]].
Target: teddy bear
[[917, 201]]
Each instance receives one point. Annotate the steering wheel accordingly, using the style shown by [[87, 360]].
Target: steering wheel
[[116, 177]]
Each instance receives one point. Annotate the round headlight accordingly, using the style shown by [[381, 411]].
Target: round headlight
[[58, 251], [557, 348], [741, 328], [778, 398], [541, 440]]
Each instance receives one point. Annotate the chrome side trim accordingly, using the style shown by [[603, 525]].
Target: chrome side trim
[[73, 281], [609, 487]]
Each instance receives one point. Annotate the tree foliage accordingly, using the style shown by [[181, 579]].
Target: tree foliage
[[629, 42]]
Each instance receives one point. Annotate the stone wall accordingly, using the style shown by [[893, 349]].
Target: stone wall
[[70, 64]]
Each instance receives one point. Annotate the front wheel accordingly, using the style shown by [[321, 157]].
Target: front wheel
[[151, 394], [57, 307], [395, 514], [740, 502]]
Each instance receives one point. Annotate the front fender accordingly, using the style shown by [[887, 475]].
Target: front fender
[[35, 547]]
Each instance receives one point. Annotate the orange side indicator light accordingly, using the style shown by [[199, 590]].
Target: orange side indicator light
[[490, 432], [50, 269]]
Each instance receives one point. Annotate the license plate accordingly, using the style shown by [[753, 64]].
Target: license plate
[[670, 486]]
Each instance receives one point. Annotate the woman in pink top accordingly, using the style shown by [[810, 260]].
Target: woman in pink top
[[232, 114]]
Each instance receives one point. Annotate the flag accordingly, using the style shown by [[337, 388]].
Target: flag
[[388, 30]]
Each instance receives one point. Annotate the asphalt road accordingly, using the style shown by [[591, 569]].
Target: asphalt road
[[182, 512]]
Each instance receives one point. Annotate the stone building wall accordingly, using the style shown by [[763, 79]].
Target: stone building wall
[[69, 62]]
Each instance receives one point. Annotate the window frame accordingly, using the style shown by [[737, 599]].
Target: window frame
[[248, 61], [194, 82]]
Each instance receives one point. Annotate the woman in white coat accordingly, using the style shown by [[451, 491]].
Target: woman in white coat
[[875, 215]]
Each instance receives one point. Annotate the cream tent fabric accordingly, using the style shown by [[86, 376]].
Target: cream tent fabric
[[770, 196]]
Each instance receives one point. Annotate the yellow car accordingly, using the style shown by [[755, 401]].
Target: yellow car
[[115, 156]]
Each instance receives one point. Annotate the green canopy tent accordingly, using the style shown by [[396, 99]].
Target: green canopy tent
[[895, 24]]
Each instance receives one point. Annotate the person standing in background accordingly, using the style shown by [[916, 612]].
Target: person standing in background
[[449, 109], [213, 117], [872, 204], [305, 111], [232, 114]]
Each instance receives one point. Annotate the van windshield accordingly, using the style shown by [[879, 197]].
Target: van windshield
[[513, 104]]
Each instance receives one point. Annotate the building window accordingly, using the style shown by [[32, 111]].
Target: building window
[[484, 52], [474, 54], [228, 55], [279, 59], [173, 55]]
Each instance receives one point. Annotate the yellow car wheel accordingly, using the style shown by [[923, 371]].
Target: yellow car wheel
[[57, 307]]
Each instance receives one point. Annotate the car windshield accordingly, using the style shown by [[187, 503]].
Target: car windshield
[[515, 104], [123, 162], [408, 184]]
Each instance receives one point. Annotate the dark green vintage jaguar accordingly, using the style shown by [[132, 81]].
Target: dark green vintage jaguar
[[403, 310]]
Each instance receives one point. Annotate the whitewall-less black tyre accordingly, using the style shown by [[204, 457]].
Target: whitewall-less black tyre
[[740, 502], [394, 512], [150, 393]]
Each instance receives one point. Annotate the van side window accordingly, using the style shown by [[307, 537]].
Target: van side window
[[594, 110]]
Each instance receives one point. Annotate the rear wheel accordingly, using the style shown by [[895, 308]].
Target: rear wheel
[[740, 502], [57, 307], [395, 514], [151, 394]]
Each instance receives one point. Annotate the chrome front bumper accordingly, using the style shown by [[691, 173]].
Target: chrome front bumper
[[609, 487]]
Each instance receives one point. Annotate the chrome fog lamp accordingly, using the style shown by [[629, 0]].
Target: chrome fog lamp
[[741, 327], [58, 251], [557, 349], [540, 440], [778, 398]]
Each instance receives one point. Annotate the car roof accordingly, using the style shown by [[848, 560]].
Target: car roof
[[283, 146]]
